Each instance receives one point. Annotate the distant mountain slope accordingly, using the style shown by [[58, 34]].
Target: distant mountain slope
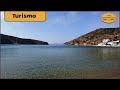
[[6, 39], [96, 37]]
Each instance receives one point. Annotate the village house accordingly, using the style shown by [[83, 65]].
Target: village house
[[107, 42]]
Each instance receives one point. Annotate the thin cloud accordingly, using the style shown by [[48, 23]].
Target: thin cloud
[[65, 19]]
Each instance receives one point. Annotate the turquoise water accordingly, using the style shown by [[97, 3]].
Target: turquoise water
[[51, 62]]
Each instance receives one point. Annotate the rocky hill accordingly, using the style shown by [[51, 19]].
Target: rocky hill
[[5, 39], [96, 37]]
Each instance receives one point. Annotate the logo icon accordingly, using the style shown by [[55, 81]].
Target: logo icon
[[108, 18]]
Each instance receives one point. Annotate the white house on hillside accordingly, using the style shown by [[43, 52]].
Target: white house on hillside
[[107, 42]]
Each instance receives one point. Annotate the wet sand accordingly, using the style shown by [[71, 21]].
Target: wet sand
[[113, 75]]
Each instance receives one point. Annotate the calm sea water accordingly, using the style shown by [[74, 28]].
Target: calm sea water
[[46, 62]]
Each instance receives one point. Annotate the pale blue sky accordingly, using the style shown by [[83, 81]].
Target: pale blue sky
[[59, 27]]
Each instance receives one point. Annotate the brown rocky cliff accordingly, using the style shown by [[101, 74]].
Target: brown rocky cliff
[[96, 37]]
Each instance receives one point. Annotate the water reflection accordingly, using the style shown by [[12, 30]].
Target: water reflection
[[50, 61]]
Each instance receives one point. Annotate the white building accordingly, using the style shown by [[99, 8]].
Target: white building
[[107, 42]]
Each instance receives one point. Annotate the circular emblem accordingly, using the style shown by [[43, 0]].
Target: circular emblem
[[108, 18]]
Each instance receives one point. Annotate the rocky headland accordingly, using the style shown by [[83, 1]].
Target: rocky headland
[[6, 39], [96, 37]]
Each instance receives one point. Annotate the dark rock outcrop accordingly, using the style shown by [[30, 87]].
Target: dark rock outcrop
[[96, 37], [6, 39]]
